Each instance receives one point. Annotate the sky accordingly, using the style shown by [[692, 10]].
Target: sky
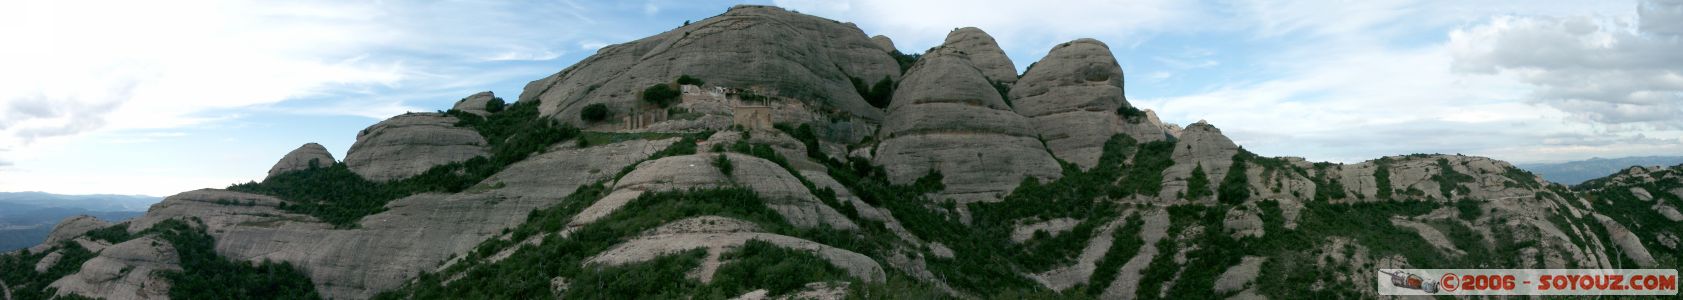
[[161, 97]]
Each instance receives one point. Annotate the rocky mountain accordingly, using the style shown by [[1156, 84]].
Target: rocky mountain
[[1575, 172], [742, 157]]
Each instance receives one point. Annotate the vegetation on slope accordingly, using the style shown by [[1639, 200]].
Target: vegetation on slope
[[338, 196], [525, 273], [204, 274], [1449, 181], [1236, 186], [1617, 201], [1125, 243], [1382, 178], [1198, 185], [18, 270]]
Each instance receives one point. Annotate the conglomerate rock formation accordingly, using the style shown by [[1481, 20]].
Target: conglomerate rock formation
[[972, 182]]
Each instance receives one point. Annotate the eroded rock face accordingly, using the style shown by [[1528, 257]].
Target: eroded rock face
[[413, 235], [1415, 177], [1241, 275], [984, 53], [1244, 221], [476, 103], [719, 235], [1627, 241], [1127, 280], [1053, 227], [129, 270], [946, 117], [884, 42], [1431, 235], [1201, 146], [69, 229], [303, 158], [409, 144], [1641, 194], [1072, 96], [785, 53], [781, 190], [1082, 270]]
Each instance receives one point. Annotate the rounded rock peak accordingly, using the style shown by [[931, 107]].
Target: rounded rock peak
[[966, 32], [754, 8], [1084, 41], [884, 42], [983, 52], [476, 103], [302, 158], [1202, 127]]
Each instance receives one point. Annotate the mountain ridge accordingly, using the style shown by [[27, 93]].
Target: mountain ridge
[[702, 171], [1576, 172]]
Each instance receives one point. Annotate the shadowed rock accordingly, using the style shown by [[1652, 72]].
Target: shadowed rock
[[1072, 97], [947, 117]]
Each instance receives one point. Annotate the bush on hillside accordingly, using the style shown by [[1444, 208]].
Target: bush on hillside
[[594, 113], [661, 95]]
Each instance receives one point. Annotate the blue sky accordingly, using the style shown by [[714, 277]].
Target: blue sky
[[159, 97]]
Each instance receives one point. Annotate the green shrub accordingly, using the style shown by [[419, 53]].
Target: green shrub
[[496, 105], [1469, 209], [1382, 177], [17, 270], [660, 278], [113, 234], [206, 275], [723, 163], [905, 60], [1235, 187], [1449, 181], [688, 80], [1198, 185], [594, 113], [1130, 113], [763, 265], [1326, 188], [1125, 243], [661, 95], [1145, 176], [882, 93], [876, 94]]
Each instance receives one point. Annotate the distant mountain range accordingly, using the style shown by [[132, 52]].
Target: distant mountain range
[[27, 217], [1575, 172]]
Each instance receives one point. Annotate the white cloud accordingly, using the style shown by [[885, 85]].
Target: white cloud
[[125, 64], [917, 25], [1348, 93], [1618, 71], [85, 73]]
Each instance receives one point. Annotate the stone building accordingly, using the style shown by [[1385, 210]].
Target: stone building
[[751, 116]]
